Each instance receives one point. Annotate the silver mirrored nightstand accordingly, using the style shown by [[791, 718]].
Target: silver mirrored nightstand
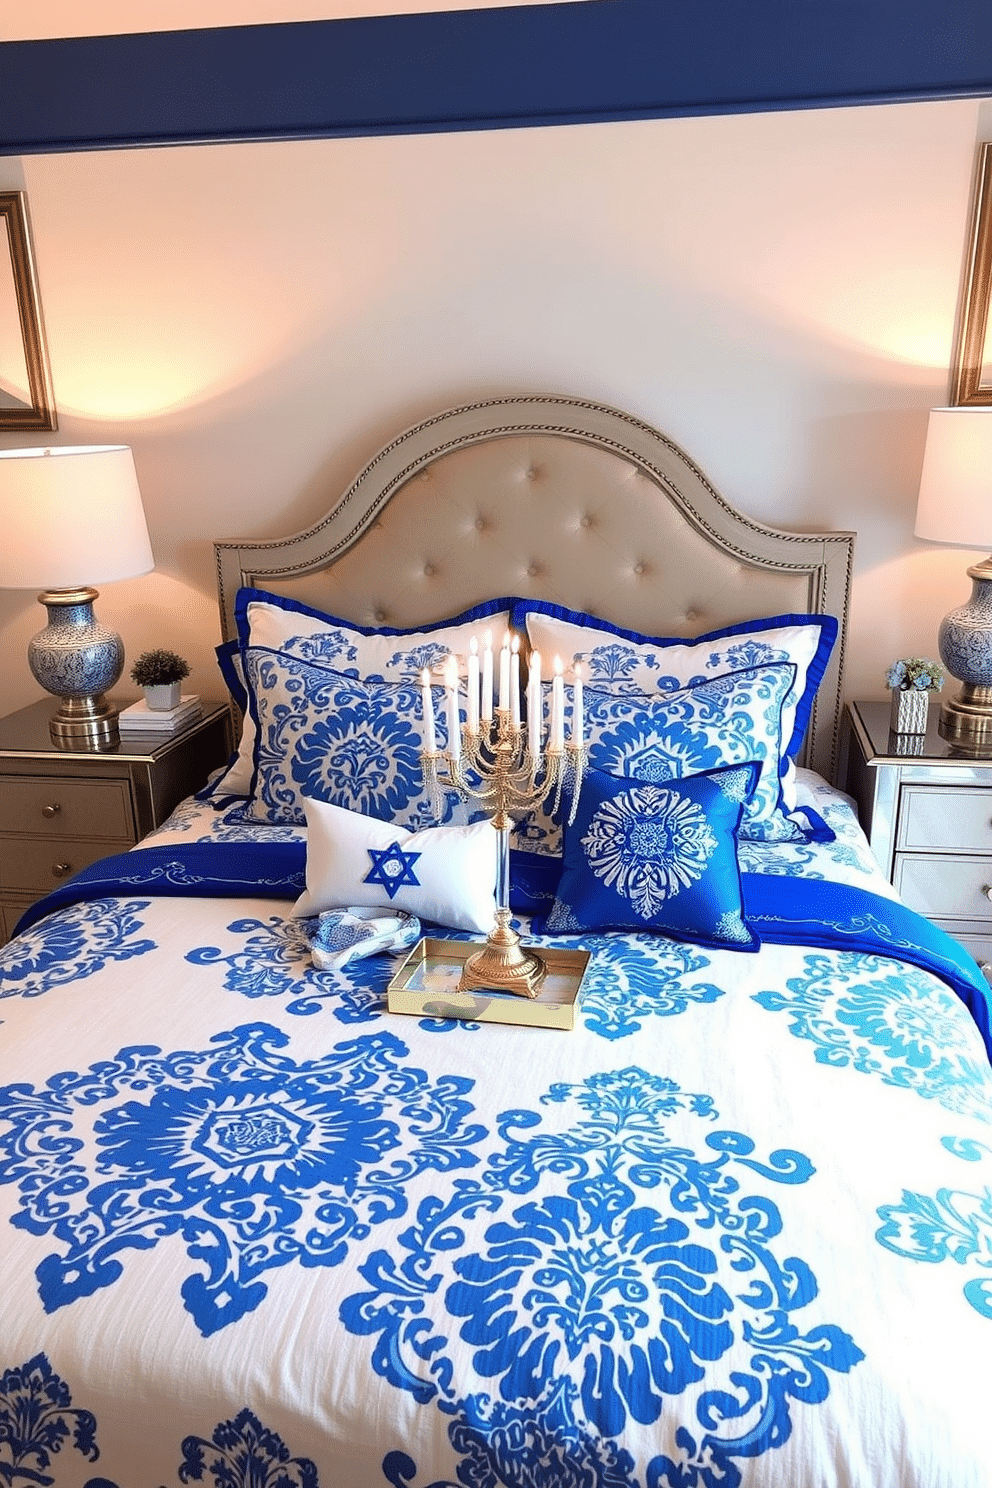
[[927, 810], [61, 809]]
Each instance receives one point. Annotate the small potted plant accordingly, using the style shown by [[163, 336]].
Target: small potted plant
[[160, 675], [911, 681]]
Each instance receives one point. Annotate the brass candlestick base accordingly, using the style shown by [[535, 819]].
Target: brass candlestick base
[[503, 965], [495, 767]]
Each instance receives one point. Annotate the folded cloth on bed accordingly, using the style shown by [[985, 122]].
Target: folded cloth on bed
[[343, 935], [787, 911]]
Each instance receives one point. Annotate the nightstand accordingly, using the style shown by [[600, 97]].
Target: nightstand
[[927, 810], [62, 809]]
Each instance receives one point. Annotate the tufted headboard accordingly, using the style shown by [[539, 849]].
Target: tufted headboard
[[559, 499]]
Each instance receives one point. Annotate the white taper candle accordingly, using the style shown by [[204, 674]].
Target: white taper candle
[[557, 707], [472, 684], [427, 701], [504, 672], [515, 682], [487, 679], [454, 725]]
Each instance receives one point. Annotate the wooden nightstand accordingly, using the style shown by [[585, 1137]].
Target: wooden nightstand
[[927, 811], [62, 809]]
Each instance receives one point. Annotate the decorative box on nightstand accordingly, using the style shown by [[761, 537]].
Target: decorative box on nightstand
[[927, 810], [62, 809]]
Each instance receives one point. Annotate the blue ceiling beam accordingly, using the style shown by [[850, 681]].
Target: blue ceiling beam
[[595, 61]]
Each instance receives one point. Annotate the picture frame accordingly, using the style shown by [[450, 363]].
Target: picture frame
[[971, 374], [27, 400]]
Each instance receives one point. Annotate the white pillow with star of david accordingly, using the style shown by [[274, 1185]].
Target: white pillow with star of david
[[443, 874]]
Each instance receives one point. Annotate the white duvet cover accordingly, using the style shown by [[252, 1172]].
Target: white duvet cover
[[734, 1228]]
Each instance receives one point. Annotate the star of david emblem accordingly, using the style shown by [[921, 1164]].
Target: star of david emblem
[[392, 867]]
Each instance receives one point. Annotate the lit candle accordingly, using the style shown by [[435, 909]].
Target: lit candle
[[577, 707], [427, 700], [535, 705], [454, 726], [558, 707], [504, 673], [472, 698], [487, 679], [515, 683]]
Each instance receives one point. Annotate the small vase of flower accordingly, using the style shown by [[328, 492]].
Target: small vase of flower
[[911, 682], [160, 675]]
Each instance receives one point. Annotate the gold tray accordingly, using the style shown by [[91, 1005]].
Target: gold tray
[[426, 987]]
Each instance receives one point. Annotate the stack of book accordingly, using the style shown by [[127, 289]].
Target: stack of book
[[139, 719]]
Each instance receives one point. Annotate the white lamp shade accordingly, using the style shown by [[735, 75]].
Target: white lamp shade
[[955, 504], [70, 516]]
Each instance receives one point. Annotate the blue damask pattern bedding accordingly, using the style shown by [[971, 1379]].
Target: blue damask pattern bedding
[[734, 1229]]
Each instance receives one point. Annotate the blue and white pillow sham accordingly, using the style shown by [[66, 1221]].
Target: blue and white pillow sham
[[376, 654], [382, 654], [725, 720], [339, 739], [617, 660], [642, 855]]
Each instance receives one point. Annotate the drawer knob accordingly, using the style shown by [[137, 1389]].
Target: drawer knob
[[59, 870], [52, 809], [987, 891], [985, 968]]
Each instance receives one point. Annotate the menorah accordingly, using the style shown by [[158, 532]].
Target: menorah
[[506, 766]]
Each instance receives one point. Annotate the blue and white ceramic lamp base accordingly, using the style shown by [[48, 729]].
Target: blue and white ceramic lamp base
[[965, 643], [79, 660]]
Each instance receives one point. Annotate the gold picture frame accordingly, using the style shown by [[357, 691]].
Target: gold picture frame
[[26, 397], [971, 376]]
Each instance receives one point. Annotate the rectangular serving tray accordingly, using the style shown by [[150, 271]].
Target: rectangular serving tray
[[426, 987]]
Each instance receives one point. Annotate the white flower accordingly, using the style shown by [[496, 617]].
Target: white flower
[[648, 844]]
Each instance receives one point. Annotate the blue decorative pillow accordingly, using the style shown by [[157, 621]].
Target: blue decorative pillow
[[646, 856], [354, 744], [380, 654], [617, 660], [375, 654], [721, 721]]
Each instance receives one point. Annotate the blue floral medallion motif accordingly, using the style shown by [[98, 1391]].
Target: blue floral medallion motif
[[254, 1160], [614, 663], [952, 1225], [409, 664], [331, 647], [37, 1419], [642, 976], [245, 1454], [75, 943], [900, 1026], [336, 738], [643, 1272], [649, 843], [274, 961]]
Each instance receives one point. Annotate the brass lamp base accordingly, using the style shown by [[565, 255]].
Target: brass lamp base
[[966, 720], [503, 965], [85, 723]]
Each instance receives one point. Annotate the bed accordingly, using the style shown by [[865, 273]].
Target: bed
[[734, 1227]]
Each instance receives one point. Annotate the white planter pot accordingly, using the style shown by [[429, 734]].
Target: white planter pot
[[909, 711], [168, 695]]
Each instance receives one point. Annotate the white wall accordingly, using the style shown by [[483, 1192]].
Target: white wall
[[776, 291]]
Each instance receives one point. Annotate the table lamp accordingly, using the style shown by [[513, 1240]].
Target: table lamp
[[955, 508], [71, 517]]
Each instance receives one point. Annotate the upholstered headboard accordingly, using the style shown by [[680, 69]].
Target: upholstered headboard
[[559, 499]]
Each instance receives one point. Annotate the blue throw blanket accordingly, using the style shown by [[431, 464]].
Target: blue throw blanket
[[787, 911]]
